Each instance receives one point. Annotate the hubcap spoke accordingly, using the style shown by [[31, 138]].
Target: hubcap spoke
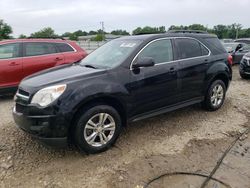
[[91, 138], [102, 118], [91, 125], [109, 127]]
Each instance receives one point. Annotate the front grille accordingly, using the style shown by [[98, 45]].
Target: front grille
[[246, 61], [22, 92]]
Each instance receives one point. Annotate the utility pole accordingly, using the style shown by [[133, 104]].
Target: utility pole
[[102, 28]]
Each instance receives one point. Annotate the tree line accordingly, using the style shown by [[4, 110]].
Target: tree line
[[232, 31]]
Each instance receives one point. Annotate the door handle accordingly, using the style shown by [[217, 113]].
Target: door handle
[[206, 61], [13, 64], [172, 70], [58, 59]]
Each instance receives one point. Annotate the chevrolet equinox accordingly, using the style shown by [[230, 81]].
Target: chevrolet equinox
[[127, 79]]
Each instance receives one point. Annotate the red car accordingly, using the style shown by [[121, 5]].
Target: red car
[[22, 57]]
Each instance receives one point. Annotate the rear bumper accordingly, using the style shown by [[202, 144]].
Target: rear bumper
[[49, 129]]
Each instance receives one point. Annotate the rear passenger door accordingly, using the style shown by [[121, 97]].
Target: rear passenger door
[[194, 59], [70, 54], [39, 56], [157, 86]]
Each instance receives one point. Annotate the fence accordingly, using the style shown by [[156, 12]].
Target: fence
[[90, 46]]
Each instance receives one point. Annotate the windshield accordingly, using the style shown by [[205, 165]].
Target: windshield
[[110, 54]]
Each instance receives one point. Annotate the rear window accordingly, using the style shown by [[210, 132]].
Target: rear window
[[189, 48], [215, 45], [63, 47], [39, 48], [9, 51]]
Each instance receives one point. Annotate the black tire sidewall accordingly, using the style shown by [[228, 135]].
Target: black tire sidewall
[[208, 104], [81, 143]]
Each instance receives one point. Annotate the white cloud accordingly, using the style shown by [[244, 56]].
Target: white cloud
[[27, 16]]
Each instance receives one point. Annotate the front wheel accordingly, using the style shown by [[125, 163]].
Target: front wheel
[[97, 129], [215, 96]]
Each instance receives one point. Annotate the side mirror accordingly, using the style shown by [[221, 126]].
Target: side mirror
[[144, 62], [241, 50]]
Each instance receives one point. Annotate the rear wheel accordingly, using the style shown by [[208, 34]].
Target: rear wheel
[[215, 96], [97, 129]]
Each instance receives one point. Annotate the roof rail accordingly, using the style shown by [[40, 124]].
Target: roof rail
[[188, 31], [46, 38]]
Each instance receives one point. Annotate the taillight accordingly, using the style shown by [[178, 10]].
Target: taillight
[[230, 60]]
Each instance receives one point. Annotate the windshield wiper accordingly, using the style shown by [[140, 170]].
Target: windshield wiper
[[90, 66]]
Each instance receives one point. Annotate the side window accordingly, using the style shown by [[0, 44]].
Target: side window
[[63, 47], [189, 48], [39, 48], [8, 51], [161, 51]]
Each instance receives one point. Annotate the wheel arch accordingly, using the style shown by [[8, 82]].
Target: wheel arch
[[114, 102]]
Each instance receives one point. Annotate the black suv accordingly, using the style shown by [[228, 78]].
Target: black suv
[[127, 79], [245, 66]]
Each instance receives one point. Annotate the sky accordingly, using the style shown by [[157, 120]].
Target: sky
[[27, 16]]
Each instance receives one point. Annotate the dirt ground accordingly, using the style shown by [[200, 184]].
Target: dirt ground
[[183, 146]]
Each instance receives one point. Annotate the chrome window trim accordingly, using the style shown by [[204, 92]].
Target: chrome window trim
[[38, 55], [209, 52]]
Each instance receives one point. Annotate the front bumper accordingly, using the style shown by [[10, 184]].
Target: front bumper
[[50, 129], [245, 66]]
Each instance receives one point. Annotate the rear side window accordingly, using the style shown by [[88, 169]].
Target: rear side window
[[215, 45], [39, 48], [8, 51], [63, 47], [189, 48], [161, 51]]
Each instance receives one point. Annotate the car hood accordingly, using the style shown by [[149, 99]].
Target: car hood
[[60, 74], [247, 54]]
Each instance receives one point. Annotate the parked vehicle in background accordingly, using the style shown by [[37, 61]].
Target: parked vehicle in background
[[244, 67], [126, 79], [227, 40], [237, 50], [244, 40], [23, 57]]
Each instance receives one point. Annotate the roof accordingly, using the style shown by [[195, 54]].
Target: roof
[[162, 35], [33, 40]]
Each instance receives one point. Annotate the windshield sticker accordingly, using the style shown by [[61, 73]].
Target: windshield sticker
[[127, 45]]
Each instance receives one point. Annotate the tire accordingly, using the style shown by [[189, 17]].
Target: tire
[[91, 133], [215, 96]]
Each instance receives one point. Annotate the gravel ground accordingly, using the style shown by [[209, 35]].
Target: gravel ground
[[189, 140]]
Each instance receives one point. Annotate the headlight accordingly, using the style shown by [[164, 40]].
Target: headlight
[[47, 95]]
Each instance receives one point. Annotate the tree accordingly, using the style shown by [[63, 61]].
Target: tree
[[99, 37], [44, 33], [92, 33], [221, 31], [5, 30], [119, 32], [149, 30], [197, 27], [22, 36]]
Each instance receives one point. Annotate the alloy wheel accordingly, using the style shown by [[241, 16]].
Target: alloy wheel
[[99, 129]]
